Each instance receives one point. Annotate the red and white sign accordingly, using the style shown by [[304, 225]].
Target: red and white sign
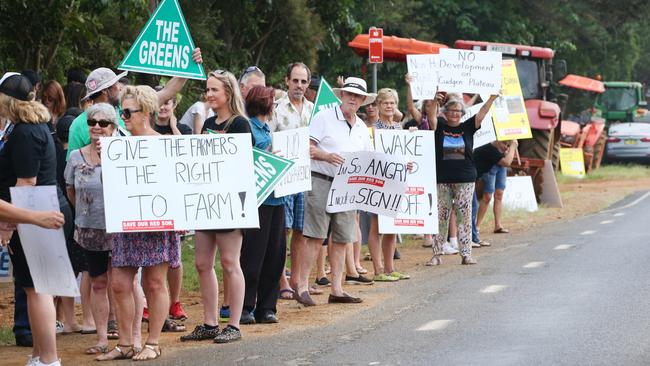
[[376, 45]]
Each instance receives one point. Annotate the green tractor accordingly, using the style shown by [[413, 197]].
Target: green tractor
[[622, 101]]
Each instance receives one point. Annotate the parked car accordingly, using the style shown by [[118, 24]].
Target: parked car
[[629, 141]]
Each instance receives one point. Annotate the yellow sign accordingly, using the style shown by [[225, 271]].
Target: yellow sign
[[509, 111], [572, 163]]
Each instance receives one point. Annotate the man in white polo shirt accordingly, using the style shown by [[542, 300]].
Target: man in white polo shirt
[[332, 132]]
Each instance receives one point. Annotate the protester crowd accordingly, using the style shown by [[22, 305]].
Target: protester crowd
[[51, 136]]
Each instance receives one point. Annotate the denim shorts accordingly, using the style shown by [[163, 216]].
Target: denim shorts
[[495, 179]]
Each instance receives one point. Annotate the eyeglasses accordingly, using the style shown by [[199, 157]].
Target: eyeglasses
[[248, 70], [126, 113], [103, 123]]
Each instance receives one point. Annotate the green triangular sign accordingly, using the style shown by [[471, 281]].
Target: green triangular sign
[[164, 46], [269, 169], [325, 98]]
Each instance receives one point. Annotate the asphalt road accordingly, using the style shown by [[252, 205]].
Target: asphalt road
[[573, 293]]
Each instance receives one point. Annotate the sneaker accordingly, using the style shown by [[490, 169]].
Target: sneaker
[[176, 312], [484, 243], [201, 333], [468, 260], [358, 280], [59, 327], [323, 281], [400, 275], [447, 249], [224, 314], [247, 317], [476, 245], [382, 277], [267, 317], [227, 335]]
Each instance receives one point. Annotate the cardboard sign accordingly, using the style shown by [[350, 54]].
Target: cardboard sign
[[6, 274], [45, 249], [369, 181], [519, 194], [269, 170], [164, 46], [419, 210], [294, 145], [509, 111], [325, 98], [187, 182], [466, 71], [486, 133], [423, 69], [572, 162], [376, 45]]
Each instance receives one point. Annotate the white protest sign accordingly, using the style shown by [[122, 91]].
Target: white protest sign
[[423, 70], [465, 71], [5, 265], [45, 249], [519, 194], [294, 145], [486, 133], [419, 211], [369, 181], [190, 182]]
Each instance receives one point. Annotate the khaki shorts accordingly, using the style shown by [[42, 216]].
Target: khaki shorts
[[317, 220]]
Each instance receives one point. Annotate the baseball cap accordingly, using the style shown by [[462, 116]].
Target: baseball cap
[[100, 79], [16, 85]]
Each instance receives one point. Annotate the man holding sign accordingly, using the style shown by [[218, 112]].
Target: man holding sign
[[332, 132]]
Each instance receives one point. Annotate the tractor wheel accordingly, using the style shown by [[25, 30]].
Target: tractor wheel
[[599, 150], [538, 148]]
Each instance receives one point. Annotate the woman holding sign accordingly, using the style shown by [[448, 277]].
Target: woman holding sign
[[154, 251], [455, 172], [224, 97], [28, 158], [387, 101]]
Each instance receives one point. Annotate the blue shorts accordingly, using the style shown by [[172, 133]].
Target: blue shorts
[[294, 211], [495, 179]]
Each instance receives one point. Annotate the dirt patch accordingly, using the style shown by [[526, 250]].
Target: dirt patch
[[579, 197]]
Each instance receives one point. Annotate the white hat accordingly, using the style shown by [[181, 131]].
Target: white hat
[[356, 86], [100, 79]]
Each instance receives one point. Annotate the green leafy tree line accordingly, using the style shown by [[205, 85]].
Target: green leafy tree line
[[596, 37]]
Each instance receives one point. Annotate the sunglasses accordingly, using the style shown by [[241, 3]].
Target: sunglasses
[[103, 123], [248, 70], [126, 113]]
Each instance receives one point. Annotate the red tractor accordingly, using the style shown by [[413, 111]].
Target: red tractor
[[535, 70]]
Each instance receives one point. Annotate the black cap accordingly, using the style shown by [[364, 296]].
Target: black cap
[[76, 75], [17, 86]]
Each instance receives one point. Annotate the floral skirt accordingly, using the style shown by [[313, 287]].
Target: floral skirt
[[145, 249]]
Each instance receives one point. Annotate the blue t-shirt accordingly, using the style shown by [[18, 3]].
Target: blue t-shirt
[[262, 136]]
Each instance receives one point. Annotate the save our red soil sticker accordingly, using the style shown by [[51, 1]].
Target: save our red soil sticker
[[145, 225], [357, 179]]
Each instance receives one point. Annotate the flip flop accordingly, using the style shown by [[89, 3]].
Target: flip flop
[[501, 231], [315, 291], [282, 295]]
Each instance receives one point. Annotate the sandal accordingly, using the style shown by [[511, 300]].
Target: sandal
[[112, 330], [286, 294], [501, 231], [121, 354], [96, 349], [315, 291], [172, 326], [434, 261], [155, 348]]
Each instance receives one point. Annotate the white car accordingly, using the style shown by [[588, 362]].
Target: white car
[[628, 141]]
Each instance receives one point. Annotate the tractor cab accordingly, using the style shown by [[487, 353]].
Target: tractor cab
[[621, 101]]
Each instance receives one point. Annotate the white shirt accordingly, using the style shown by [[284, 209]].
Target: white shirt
[[333, 134], [286, 117], [196, 108]]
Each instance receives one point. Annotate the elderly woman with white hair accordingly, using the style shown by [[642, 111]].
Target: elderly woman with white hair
[[455, 172]]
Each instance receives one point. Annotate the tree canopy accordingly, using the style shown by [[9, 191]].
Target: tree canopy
[[596, 37]]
